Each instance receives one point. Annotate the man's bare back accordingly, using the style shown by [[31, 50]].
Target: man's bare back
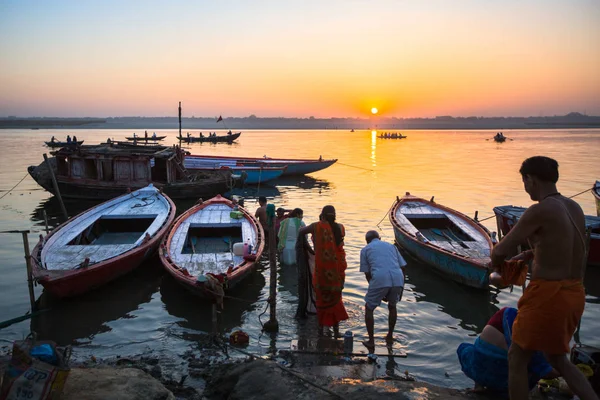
[[261, 214]]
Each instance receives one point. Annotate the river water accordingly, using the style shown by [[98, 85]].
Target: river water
[[147, 312]]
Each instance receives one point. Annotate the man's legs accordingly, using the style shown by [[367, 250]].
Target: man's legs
[[370, 323], [518, 386], [575, 379], [392, 322]]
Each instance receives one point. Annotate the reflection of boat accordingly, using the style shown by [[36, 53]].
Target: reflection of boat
[[56, 143], [302, 182], [197, 315], [596, 193], [507, 217], [451, 296], [254, 192], [102, 243], [294, 166], [108, 170], [210, 139], [444, 239], [69, 321], [145, 138], [253, 173], [212, 241]]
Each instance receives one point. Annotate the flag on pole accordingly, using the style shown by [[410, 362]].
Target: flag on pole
[[220, 118]]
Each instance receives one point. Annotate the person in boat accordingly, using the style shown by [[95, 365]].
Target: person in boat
[[229, 133], [134, 136], [330, 269], [188, 135], [288, 234], [146, 135], [68, 139], [486, 361], [383, 267], [53, 139], [200, 135], [553, 303], [261, 213], [74, 139], [154, 136]]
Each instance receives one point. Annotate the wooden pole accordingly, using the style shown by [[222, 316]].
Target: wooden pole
[[46, 221], [56, 191], [272, 325], [179, 119], [29, 273]]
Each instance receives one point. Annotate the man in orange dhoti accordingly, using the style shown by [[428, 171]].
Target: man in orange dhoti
[[553, 303]]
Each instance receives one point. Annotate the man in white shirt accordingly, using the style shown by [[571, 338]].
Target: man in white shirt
[[383, 267]]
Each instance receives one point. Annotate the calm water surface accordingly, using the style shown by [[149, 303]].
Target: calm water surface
[[148, 312]]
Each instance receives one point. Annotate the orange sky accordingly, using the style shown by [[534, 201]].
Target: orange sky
[[337, 59]]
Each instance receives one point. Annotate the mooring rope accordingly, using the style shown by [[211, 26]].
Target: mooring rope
[[11, 189], [354, 166]]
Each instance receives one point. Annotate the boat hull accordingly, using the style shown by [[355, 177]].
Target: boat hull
[[596, 193], [506, 221], [64, 144], [233, 277], [145, 139], [69, 283], [208, 139], [253, 175], [294, 166]]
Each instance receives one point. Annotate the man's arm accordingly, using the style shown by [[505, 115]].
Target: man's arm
[[307, 229], [364, 264], [529, 222]]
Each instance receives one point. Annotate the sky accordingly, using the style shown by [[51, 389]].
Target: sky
[[321, 58]]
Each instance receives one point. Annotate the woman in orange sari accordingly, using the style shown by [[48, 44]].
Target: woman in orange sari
[[330, 267]]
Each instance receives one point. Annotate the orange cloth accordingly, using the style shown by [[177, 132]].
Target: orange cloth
[[514, 272], [329, 276], [549, 312]]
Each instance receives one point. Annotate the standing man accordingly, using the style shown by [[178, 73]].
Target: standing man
[[383, 267], [553, 303], [261, 213]]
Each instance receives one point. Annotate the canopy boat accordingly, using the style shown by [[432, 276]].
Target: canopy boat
[[251, 175], [508, 216], [444, 239], [212, 242], [210, 139], [294, 166], [145, 139], [110, 169], [55, 144], [102, 243], [596, 193]]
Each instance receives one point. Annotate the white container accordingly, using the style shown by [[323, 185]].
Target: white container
[[238, 249]]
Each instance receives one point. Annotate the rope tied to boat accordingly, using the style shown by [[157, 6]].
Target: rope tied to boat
[[11, 189]]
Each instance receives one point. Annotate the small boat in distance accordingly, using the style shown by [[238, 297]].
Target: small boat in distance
[[228, 138], [102, 243], [392, 136], [56, 143], [596, 193], [444, 239], [294, 166], [507, 217], [500, 138], [214, 242], [145, 139]]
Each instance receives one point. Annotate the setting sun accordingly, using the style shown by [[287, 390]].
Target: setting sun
[[373, 110]]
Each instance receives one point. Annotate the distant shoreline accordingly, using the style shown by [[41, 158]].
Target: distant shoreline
[[569, 121]]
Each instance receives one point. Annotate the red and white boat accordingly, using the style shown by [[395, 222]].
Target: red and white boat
[[507, 217], [212, 242], [102, 243]]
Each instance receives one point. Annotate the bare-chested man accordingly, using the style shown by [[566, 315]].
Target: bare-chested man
[[553, 303], [261, 213]]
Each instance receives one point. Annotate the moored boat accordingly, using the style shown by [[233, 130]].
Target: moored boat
[[596, 193], [444, 239], [252, 174], [55, 144], [294, 166], [392, 136], [102, 243], [110, 169], [508, 216], [210, 139], [213, 242], [145, 139]]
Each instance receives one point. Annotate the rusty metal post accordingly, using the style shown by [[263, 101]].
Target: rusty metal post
[[29, 273], [272, 325], [56, 191]]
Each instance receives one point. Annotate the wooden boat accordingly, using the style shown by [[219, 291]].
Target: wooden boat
[[446, 240], [102, 243], [251, 175], [210, 139], [108, 170], [202, 242], [55, 144], [507, 217], [145, 139], [392, 137], [294, 166], [500, 138], [596, 193]]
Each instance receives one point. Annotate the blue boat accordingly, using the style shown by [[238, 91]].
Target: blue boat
[[250, 174], [444, 239]]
